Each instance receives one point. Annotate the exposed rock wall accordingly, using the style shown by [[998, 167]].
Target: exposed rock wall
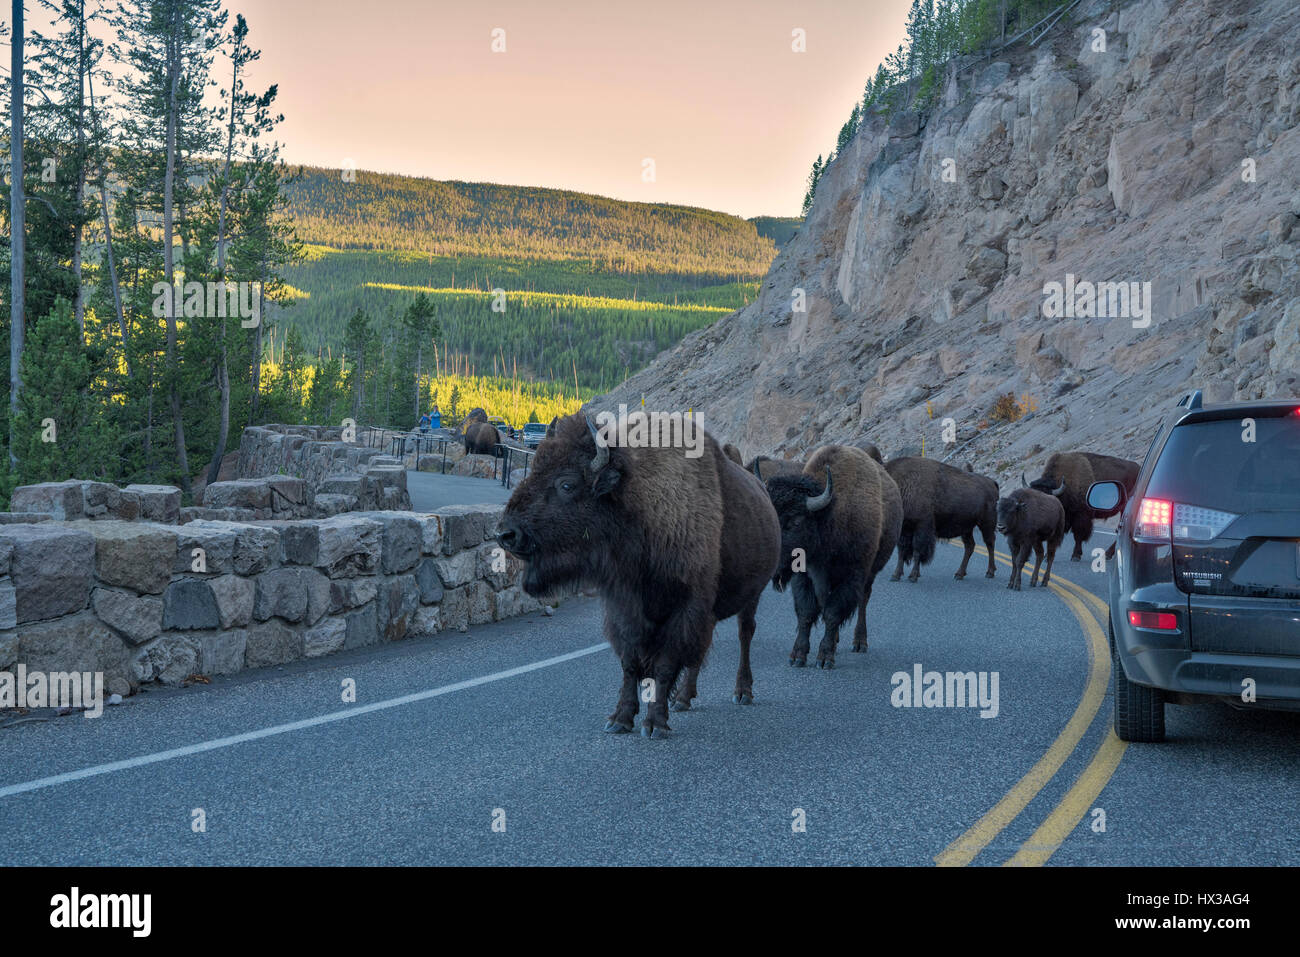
[[147, 602], [1169, 157]]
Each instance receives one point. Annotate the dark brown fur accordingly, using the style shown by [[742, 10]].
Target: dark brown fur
[[940, 501], [1029, 518], [733, 453], [845, 544], [482, 438], [1078, 470], [673, 544]]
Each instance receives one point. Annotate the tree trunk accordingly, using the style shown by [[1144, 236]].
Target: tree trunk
[[17, 223], [79, 304], [223, 370], [169, 228]]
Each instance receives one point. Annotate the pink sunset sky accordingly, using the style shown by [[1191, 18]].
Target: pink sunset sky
[[710, 90]]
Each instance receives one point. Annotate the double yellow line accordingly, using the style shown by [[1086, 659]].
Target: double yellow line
[[1044, 842]]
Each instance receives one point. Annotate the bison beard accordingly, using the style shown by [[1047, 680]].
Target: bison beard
[[940, 501], [846, 526], [673, 544]]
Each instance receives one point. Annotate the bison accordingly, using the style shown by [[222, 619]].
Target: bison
[[840, 521], [1029, 518], [673, 544], [1074, 473], [482, 438], [733, 453], [940, 501]]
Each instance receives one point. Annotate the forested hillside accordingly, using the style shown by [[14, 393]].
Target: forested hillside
[[358, 209]]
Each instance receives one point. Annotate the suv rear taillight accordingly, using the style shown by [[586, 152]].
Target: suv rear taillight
[[1154, 519], [1195, 524], [1158, 620], [1161, 520]]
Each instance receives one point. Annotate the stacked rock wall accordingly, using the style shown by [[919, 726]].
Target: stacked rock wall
[[150, 602]]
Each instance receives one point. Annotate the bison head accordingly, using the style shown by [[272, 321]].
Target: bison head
[[1045, 483], [1009, 511], [803, 508], [562, 520]]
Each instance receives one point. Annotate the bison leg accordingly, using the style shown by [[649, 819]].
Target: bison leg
[[898, 569], [681, 698], [860, 629], [1082, 529], [840, 605], [620, 722], [1017, 566], [665, 672], [1051, 555], [968, 542], [988, 534], [745, 677], [806, 611], [1038, 561]]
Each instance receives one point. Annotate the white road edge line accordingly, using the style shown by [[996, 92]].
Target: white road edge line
[[232, 740]]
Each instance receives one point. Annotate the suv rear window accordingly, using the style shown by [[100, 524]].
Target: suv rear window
[[1210, 463]]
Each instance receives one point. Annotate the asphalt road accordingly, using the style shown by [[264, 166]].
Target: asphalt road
[[505, 722], [429, 490]]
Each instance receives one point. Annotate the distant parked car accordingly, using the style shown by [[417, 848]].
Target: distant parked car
[[534, 432], [1205, 584]]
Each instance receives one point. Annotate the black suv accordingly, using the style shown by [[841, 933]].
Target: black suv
[[1205, 581]]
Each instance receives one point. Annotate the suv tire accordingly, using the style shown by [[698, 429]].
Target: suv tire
[[1139, 710]]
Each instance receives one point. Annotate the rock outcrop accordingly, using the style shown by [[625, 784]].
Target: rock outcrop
[[916, 295]]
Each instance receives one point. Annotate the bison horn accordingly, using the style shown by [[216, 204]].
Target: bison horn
[[602, 450], [815, 503], [758, 460], [1023, 483], [1060, 488]]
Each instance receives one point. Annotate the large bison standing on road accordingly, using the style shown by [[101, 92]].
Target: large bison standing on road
[[940, 501], [673, 543], [1073, 473], [840, 521]]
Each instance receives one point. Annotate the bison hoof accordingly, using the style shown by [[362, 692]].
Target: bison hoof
[[989, 574], [1076, 558], [959, 576], [859, 646], [682, 704], [743, 697], [798, 661], [827, 663], [651, 731], [895, 578], [617, 727]]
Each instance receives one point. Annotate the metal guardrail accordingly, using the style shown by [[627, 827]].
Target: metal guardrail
[[506, 455]]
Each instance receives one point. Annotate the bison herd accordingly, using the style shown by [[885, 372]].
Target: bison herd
[[675, 544]]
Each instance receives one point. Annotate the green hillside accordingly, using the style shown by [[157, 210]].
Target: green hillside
[[391, 212], [595, 287]]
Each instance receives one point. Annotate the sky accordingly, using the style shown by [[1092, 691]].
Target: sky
[[584, 93]]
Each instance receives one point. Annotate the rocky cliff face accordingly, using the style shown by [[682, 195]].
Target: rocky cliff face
[[1171, 158]]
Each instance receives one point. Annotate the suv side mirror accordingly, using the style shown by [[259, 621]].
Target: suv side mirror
[[1105, 498]]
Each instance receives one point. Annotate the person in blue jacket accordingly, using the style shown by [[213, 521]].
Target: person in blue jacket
[[435, 418]]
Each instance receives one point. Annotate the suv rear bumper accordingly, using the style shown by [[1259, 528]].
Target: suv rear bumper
[[1214, 674]]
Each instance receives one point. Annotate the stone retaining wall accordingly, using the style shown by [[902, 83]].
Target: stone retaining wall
[[144, 601], [326, 464]]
